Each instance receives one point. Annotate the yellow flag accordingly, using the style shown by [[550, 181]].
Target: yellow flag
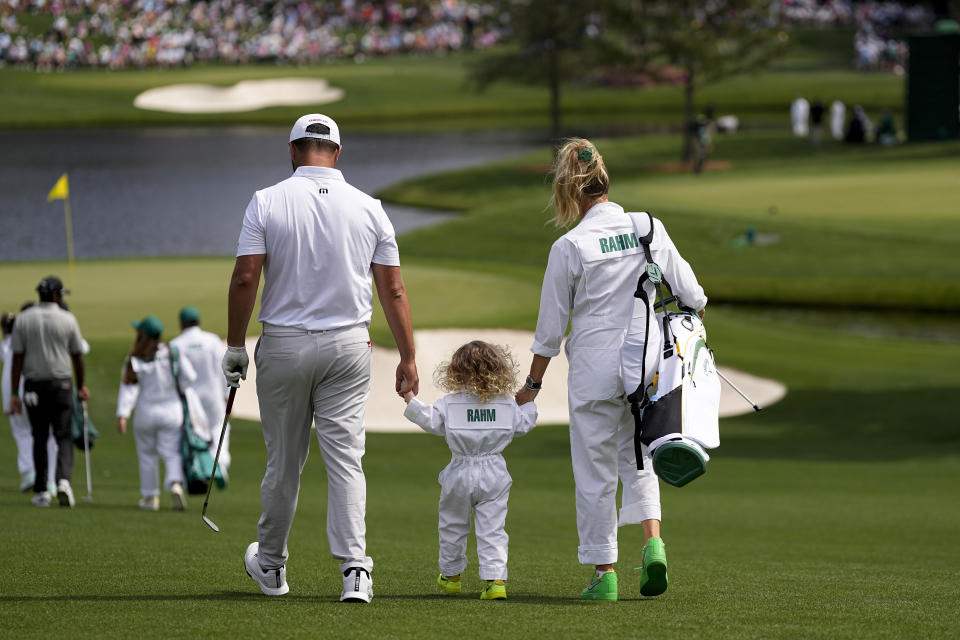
[[60, 190]]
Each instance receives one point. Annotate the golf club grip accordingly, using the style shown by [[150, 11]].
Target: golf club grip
[[233, 394]]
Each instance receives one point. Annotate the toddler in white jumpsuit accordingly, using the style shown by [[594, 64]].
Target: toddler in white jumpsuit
[[149, 388], [478, 418]]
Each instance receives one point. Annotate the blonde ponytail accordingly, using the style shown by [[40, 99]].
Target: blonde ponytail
[[578, 173]]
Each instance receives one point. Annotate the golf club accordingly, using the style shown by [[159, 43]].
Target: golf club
[[216, 460], [756, 407], [86, 453]]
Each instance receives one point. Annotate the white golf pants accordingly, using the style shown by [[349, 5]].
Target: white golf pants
[[157, 441], [23, 437], [478, 486], [321, 377], [602, 450]]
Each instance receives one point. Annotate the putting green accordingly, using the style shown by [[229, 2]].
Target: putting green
[[899, 195]]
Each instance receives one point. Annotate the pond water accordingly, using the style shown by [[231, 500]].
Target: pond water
[[183, 191]]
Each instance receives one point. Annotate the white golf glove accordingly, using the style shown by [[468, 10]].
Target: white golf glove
[[234, 365]]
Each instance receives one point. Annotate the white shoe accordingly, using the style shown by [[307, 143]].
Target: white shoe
[[357, 585], [179, 500], [150, 503], [65, 493], [41, 499], [273, 582], [26, 481]]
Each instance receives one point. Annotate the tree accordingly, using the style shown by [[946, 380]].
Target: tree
[[707, 40], [552, 42], [547, 45]]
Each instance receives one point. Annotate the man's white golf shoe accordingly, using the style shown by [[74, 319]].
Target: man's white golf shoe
[[357, 585], [273, 582], [65, 493]]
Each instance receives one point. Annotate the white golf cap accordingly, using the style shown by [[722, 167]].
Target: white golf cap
[[316, 125]]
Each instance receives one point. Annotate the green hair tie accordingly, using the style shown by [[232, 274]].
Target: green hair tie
[[585, 155]]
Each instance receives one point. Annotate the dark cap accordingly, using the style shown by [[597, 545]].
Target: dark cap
[[189, 315], [50, 286], [150, 326]]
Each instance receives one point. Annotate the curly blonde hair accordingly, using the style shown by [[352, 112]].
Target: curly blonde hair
[[483, 369], [578, 173]]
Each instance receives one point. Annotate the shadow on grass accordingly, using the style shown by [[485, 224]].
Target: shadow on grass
[[882, 425], [252, 596], [153, 597]]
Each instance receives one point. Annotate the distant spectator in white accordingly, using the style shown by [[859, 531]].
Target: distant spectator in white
[[800, 117]]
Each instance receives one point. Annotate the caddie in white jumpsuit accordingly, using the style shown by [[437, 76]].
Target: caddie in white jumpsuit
[[591, 276], [317, 240], [157, 422], [476, 482], [205, 351]]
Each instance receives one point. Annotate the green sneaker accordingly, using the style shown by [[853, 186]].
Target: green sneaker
[[653, 573], [602, 588], [495, 590], [448, 584]]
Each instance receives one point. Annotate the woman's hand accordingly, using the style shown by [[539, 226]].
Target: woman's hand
[[122, 425], [525, 395]]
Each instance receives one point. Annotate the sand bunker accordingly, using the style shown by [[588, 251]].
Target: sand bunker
[[247, 95], [385, 408]]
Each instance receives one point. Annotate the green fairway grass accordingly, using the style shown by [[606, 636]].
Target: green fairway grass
[[829, 515], [109, 294], [427, 93]]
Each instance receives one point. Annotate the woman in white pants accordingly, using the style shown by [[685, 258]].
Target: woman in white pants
[[591, 276], [149, 387]]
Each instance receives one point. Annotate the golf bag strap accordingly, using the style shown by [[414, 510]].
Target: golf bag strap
[[175, 370], [661, 281]]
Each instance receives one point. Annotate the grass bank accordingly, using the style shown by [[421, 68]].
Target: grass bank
[[854, 226]]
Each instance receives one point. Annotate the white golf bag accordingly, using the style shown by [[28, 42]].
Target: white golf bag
[[672, 383]]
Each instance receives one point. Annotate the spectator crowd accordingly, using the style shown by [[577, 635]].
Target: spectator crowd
[[880, 26], [124, 34]]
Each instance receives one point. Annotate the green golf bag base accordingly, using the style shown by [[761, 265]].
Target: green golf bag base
[[678, 463], [677, 460]]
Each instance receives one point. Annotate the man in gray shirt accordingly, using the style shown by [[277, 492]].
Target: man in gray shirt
[[48, 351]]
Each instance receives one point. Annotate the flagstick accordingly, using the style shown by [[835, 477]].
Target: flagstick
[[69, 224]]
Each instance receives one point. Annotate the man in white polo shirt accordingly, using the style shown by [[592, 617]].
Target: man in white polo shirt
[[317, 240]]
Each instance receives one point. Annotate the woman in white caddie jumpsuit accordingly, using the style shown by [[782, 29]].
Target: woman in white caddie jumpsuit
[[478, 420], [591, 276], [148, 386]]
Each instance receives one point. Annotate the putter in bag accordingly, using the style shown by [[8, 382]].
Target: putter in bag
[[216, 460]]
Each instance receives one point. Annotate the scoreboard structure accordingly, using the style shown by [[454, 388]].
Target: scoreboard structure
[[933, 88]]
